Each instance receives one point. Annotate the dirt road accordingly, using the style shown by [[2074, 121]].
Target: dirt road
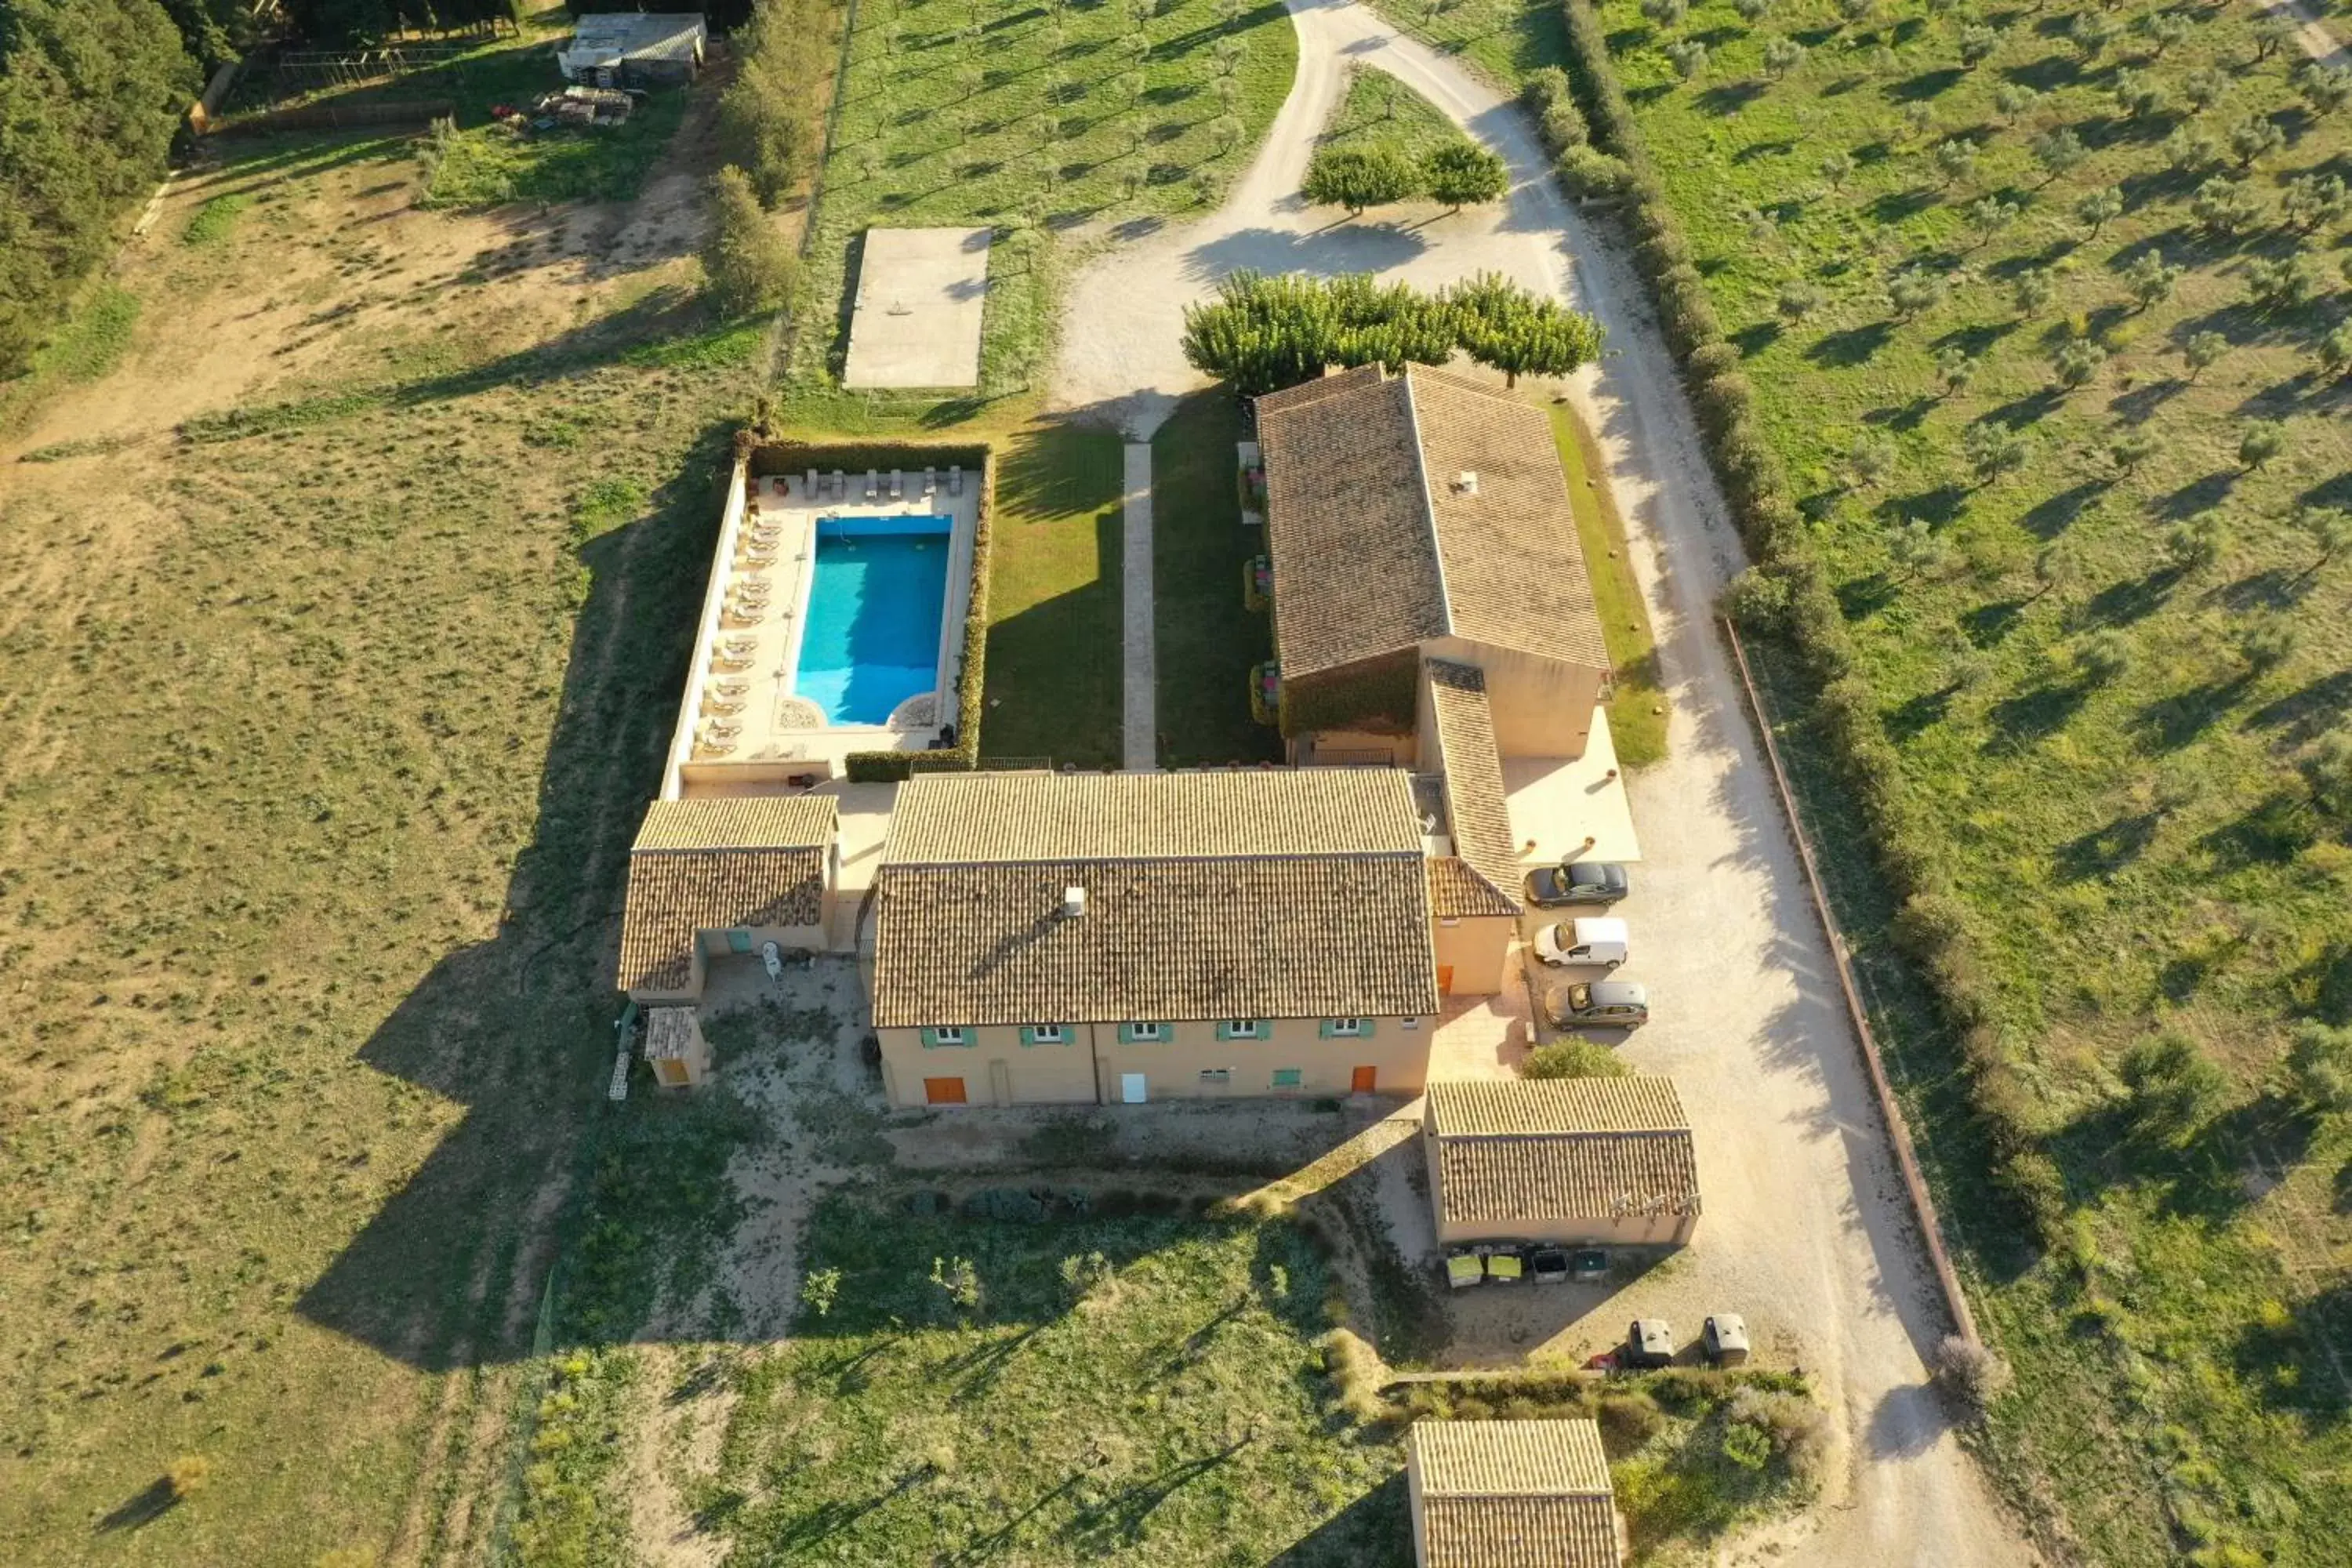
[[1806, 1230]]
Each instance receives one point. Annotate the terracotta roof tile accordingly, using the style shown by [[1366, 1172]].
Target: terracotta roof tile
[[702, 865], [1525, 1150], [1514, 1494], [1455, 891], [752, 822], [1283, 894], [1480, 821], [1377, 547]]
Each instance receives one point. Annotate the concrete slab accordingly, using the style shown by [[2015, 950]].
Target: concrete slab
[[1558, 803], [920, 292], [1141, 683]]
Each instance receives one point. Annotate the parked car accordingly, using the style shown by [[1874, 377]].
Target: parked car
[[1616, 1003], [1650, 1343], [1588, 939], [1548, 1265], [1577, 882], [1724, 1338]]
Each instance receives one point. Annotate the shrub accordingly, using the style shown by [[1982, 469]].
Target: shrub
[[1971, 1373], [2262, 441], [1563, 126], [1589, 172], [1545, 87], [1688, 57], [2171, 1085], [1460, 173], [2103, 656], [1793, 1425], [746, 264], [1628, 1420], [2328, 771], [1745, 1446], [1354, 1367], [1574, 1056], [1782, 55], [2319, 1068]]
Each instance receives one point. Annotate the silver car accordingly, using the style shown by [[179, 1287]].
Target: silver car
[[1612, 1003]]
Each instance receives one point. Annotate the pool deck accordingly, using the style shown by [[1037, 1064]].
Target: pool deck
[[741, 728]]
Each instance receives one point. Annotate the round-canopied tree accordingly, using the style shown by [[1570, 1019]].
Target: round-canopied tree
[[1359, 178], [1460, 174]]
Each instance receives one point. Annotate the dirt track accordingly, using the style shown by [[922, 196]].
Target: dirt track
[[1806, 1231]]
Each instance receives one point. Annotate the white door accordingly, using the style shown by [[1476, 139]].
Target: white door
[[1130, 1088]]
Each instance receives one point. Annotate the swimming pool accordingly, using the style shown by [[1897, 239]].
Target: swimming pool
[[877, 597]]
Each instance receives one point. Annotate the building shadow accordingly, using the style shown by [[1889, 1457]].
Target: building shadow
[[518, 1028]]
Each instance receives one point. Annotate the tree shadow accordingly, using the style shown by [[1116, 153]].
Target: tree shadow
[[2142, 403], [1372, 1532], [1925, 85], [2103, 851], [1988, 623], [2032, 715], [1902, 416], [2052, 517], [1126, 1516], [1730, 97], [2134, 598], [1853, 346], [142, 1508], [2274, 831], [2030, 409], [1861, 597], [1753, 339], [1939, 508], [1777, 147], [2308, 712], [1900, 206], [2296, 1365], [2170, 723], [1910, 720]]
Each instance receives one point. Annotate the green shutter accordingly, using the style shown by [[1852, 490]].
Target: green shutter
[[1288, 1078], [1323, 1030], [1258, 1029], [739, 941], [931, 1038], [1035, 1035], [1128, 1036]]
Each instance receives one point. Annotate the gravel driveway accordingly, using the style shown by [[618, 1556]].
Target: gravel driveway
[[1806, 1229]]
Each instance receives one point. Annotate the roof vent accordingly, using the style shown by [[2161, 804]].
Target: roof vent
[[1466, 481], [1074, 902]]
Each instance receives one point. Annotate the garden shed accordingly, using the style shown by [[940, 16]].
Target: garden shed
[[1589, 1161], [1511, 1494], [635, 48]]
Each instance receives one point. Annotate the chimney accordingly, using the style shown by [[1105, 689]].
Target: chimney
[[1074, 902], [1466, 481]]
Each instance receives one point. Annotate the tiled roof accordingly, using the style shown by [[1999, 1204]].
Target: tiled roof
[[670, 1033], [702, 865], [1514, 1494], [755, 822], [1523, 1150], [958, 819], [1377, 547], [1455, 890], [1279, 894], [1481, 824]]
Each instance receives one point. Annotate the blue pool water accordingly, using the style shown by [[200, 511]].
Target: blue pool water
[[875, 603]]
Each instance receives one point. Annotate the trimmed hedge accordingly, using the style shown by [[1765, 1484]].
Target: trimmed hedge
[[1787, 595], [765, 458]]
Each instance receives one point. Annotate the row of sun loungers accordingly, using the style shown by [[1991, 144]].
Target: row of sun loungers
[[873, 486]]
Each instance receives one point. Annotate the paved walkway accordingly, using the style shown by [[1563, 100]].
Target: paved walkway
[[1141, 748]]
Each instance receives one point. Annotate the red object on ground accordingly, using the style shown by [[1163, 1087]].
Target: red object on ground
[[1605, 1362]]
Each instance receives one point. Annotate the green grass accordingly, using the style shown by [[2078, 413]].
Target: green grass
[[2132, 852], [1019, 118], [95, 338], [1054, 638], [1502, 39], [1179, 1416], [1637, 718], [216, 220], [486, 165], [1207, 638], [1381, 111], [364, 704]]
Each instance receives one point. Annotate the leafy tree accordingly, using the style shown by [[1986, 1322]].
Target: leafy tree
[[1506, 327], [1461, 172], [2149, 280], [2262, 441], [1359, 178], [2329, 529], [2197, 544], [1574, 1056], [1956, 160], [2031, 289], [1918, 550], [1688, 57], [2315, 202], [2057, 151], [2076, 361], [1993, 450], [1666, 14], [2225, 207], [1914, 289], [1955, 368], [2279, 284], [767, 126], [2141, 94], [1797, 299], [2203, 87], [745, 261], [90, 94], [2202, 351], [2172, 1086], [1837, 168], [2091, 33], [2319, 1068], [1782, 55], [2013, 99], [2325, 88], [2128, 449], [1977, 44], [1871, 459], [2254, 137], [2098, 208]]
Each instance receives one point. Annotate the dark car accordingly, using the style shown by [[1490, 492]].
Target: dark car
[[1612, 1003], [1577, 882]]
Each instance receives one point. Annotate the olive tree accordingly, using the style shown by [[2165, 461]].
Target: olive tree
[[1993, 450], [2057, 151], [1782, 55], [2096, 209], [2149, 280], [2171, 1085], [2262, 441], [2076, 361], [2202, 351]]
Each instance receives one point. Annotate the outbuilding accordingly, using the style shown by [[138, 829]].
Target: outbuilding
[[1580, 1161], [635, 48], [1511, 1494]]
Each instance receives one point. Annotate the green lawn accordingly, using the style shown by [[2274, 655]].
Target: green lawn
[[1637, 718], [2114, 778], [1168, 1406], [1381, 111], [1032, 119], [1054, 598], [1207, 638]]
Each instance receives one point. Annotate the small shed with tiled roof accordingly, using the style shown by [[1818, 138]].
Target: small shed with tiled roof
[[1597, 1161], [1167, 934], [1511, 1494], [710, 876], [1425, 515]]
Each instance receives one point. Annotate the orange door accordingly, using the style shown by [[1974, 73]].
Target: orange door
[[943, 1090], [1446, 980], [1363, 1080]]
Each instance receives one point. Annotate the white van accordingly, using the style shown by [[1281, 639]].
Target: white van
[[1591, 939]]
